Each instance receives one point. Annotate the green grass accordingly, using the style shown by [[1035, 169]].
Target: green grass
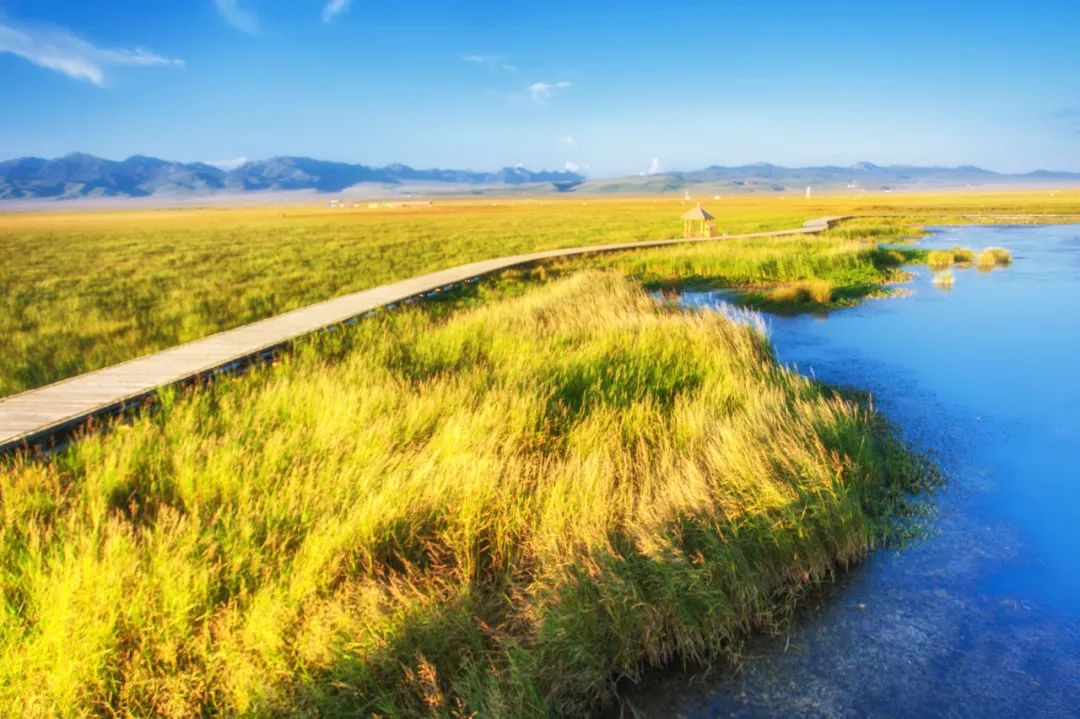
[[781, 274], [496, 509]]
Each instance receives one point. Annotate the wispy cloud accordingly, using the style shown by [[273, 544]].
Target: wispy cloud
[[495, 62], [654, 167], [571, 166], [334, 8], [234, 13], [540, 91], [567, 140], [59, 50]]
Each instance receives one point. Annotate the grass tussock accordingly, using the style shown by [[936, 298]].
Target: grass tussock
[[944, 259], [940, 259], [963, 256], [993, 257], [806, 292], [493, 511]]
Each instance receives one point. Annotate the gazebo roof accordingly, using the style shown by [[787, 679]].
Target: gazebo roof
[[698, 213]]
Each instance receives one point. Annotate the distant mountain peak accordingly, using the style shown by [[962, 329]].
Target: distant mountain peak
[[81, 175]]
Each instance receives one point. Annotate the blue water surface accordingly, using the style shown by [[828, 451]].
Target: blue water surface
[[981, 618]]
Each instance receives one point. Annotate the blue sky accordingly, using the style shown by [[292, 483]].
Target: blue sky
[[608, 88]]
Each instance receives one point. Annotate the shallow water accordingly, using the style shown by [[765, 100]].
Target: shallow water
[[982, 616]]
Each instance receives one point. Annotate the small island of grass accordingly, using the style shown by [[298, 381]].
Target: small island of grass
[[994, 257]]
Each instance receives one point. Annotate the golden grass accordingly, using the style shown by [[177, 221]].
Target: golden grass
[[84, 289], [963, 255], [494, 507], [494, 511], [807, 291], [994, 257], [940, 259]]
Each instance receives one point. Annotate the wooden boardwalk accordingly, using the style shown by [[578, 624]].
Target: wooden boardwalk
[[38, 415]]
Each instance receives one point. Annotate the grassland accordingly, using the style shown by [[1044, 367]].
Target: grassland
[[498, 508], [88, 290], [493, 505], [82, 290]]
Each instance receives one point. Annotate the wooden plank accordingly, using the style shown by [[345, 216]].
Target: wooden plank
[[36, 414]]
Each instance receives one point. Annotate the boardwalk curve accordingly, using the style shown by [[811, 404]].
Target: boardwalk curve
[[35, 416]]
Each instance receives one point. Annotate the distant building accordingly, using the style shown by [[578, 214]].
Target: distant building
[[698, 223]]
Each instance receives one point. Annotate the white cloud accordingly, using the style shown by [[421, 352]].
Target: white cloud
[[567, 139], [60, 50], [228, 164], [238, 16], [541, 91], [495, 62], [572, 166], [654, 167], [334, 8]]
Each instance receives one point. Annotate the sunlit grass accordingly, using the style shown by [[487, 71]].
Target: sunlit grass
[[994, 257], [819, 292], [86, 290], [496, 511], [495, 504], [963, 256], [81, 290], [940, 259]]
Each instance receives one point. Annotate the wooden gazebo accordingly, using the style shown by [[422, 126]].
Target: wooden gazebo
[[698, 223]]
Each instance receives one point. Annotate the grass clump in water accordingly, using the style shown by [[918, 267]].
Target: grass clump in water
[[805, 292], [994, 257], [944, 259], [963, 256], [940, 259], [493, 511]]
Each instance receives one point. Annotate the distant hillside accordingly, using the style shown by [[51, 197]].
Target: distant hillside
[[80, 175], [763, 177], [85, 176]]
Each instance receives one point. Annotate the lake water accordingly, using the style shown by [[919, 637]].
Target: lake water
[[980, 618]]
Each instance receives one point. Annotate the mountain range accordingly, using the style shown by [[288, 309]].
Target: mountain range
[[862, 176], [85, 176], [81, 175]]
